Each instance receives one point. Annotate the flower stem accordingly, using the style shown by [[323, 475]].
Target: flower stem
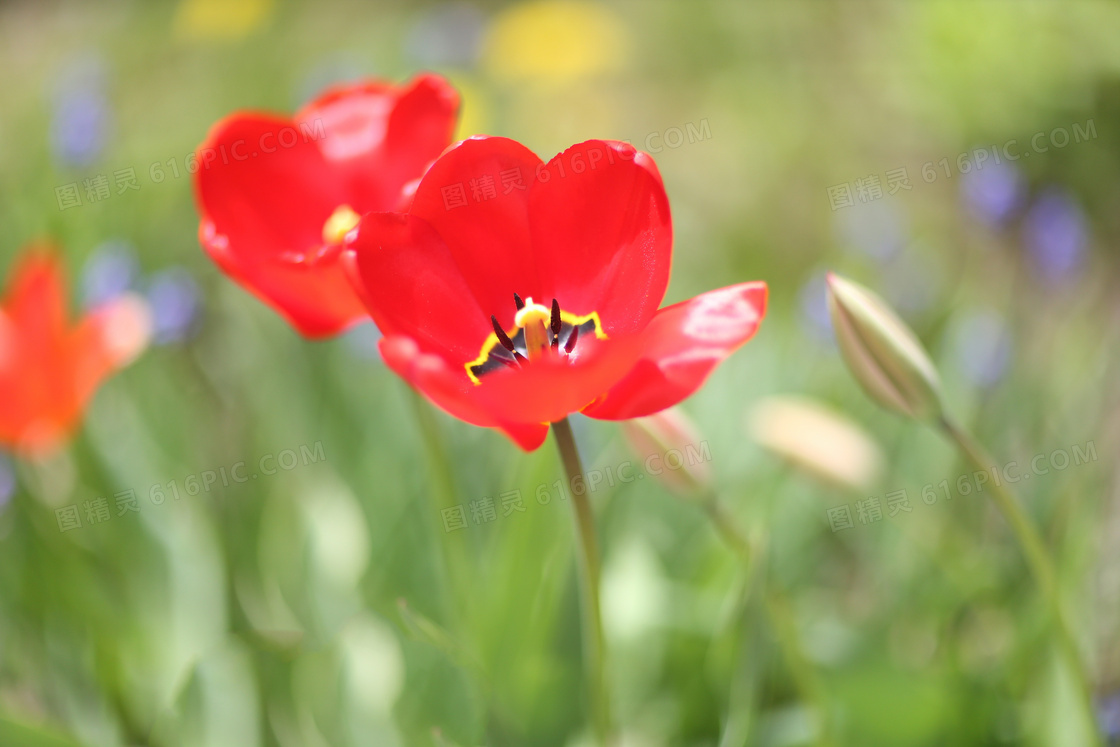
[[589, 568], [778, 614], [727, 528], [1038, 559], [441, 497]]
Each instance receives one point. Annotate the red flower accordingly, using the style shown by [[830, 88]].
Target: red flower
[[49, 370], [277, 195], [585, 242]]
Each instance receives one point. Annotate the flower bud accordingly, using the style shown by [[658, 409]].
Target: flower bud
[[816, 439], [881, 351], [671, 441]]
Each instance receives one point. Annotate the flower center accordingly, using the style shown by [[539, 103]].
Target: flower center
[[341, 222], [539, 331], [537, 323]]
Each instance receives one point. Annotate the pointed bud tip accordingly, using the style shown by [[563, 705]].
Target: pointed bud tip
[[882, 353]]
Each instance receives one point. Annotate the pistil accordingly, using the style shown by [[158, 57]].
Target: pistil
[[535, 320]]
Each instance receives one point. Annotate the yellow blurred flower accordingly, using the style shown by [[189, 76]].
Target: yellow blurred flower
[[225, 20], [557, 116], [554, 41], [816, 439]]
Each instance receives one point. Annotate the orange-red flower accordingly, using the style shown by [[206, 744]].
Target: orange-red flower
[[512, 292], [278, 195], [49, 370]]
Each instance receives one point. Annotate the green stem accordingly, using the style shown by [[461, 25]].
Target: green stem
[[805, 677], [727, 528], [753, 654], [1038, 559], [589, 568], [778, 615], [437, 453], [442, 496]]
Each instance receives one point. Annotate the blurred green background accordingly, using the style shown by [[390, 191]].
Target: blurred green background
[[327, 604]]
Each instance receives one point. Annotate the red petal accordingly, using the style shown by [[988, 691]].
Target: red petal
[[268, 205], [601, 228], [380, 137], [486, 230], [550, 389], [452, 393], [267, 185], [36, 298], [517, 400], [682, 345], [433, 326], [529, 436], [48, 370], [592, 228], [413, 287], [315, 298], [448, 389], [34, 371]]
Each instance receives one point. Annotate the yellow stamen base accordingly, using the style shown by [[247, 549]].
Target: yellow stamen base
[[535, 320], [341, 222]]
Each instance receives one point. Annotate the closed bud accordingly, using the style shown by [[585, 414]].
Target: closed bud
[[817, 440], [881, 351]]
